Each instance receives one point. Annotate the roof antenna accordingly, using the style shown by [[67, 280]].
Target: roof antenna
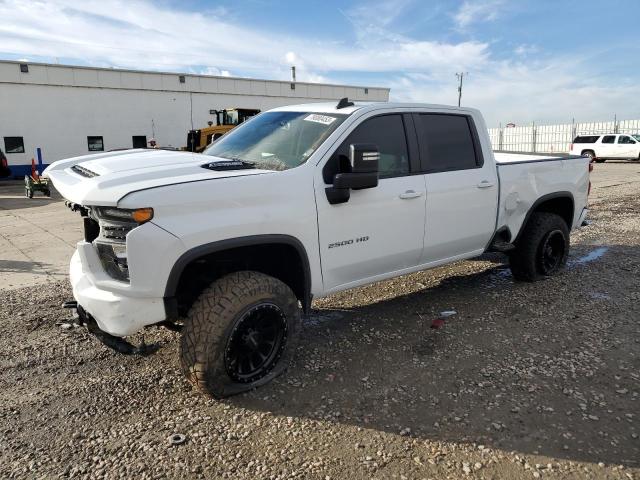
[[344, 102]]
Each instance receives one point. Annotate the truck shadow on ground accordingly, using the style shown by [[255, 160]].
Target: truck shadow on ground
[[532, 368]]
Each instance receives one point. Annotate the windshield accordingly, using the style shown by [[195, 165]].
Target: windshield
[[637, 137], [276, 140]]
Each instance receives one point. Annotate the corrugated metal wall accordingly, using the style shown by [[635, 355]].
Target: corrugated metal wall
[[554, 138]]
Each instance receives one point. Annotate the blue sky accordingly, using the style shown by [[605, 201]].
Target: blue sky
[[543, 61]]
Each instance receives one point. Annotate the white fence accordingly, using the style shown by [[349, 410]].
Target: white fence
[[554, 138]]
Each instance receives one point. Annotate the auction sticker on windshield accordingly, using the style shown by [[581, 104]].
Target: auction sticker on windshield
[[324, 119]]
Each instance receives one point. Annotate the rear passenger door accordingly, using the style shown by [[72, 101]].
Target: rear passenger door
[[462, 189], [607, 147]]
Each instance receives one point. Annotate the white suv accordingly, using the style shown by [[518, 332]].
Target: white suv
[[603, 147]]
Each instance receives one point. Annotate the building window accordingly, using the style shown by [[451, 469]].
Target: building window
[[24, 68], [366, 91], [95, 144], [13, 145], [182, 79], [139, 141]]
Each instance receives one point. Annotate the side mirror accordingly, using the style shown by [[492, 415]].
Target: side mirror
[[363, 160]]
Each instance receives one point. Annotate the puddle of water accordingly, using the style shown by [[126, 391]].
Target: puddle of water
[[318, 317], [589, 257], [498, 278]]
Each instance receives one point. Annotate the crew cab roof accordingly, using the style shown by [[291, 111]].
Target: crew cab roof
[[330, 107]]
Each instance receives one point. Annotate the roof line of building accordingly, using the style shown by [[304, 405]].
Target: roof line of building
[[186, 74]]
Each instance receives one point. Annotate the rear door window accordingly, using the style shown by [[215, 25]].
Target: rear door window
[[447, 142], [609, 139], [586, 139]]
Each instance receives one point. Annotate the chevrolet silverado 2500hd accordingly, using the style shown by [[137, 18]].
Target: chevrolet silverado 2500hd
[[297, 203]]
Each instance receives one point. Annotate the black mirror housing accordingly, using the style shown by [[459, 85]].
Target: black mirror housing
[[364, 160]]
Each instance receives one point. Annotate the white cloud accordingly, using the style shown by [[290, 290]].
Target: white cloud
[[525, 92], [474, 11], [139, 34], [526, 50]]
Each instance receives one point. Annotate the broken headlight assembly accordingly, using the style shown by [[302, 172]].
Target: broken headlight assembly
[[111, 242]]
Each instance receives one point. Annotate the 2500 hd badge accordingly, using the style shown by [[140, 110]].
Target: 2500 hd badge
[[348, 242]]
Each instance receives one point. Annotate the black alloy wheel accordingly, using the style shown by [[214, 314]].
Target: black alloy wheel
[[256, 343], [552, 251]]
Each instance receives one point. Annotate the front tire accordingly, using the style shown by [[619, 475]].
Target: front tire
[[543, 248], [240, 333]]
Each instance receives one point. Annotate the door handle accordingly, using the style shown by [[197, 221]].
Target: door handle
[[485, 184], [410, 194]]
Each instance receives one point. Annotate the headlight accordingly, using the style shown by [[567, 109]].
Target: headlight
[[139, 215], [115, 224]]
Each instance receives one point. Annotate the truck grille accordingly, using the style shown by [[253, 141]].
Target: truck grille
[[117, 233]]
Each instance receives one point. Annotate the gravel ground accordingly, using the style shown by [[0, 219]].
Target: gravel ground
[[524, 381]]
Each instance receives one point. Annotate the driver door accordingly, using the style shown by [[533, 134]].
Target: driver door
[[378, 230]]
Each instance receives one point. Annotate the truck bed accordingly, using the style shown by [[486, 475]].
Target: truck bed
[[529, 178], [506, 158]]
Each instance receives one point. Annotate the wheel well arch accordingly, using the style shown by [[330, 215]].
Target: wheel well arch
[[584, 150], [560, 203], [280, 256]]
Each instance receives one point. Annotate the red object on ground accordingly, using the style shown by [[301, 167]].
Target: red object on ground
[[437, 323]]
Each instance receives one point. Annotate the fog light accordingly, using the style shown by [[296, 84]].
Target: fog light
[[114, 260]]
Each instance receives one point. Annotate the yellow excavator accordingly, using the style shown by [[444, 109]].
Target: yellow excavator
[[227, 119]]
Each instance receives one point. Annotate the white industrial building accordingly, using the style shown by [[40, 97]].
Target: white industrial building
[[69, 110]]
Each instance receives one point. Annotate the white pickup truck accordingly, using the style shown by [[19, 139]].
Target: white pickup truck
[[298, 203]]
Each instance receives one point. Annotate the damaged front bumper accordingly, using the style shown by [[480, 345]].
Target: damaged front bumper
[[113, 305]]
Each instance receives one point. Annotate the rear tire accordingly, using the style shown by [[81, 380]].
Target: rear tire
[[543, 248], [240, 333]]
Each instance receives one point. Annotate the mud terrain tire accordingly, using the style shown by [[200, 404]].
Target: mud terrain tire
[[542, 249], [239, 334]]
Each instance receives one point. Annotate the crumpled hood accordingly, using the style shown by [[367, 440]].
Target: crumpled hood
[[105, 178]]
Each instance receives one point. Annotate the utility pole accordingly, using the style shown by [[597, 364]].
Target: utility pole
[[460, 77]]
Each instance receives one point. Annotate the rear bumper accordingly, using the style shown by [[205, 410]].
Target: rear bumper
[[115, 307]]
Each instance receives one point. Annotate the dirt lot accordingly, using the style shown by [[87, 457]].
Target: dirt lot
[[525, 381]]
